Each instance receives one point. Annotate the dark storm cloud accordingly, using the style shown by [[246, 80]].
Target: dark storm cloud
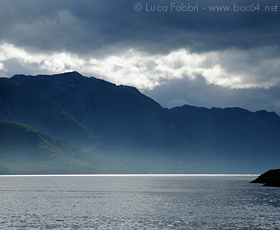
[[83, 26]]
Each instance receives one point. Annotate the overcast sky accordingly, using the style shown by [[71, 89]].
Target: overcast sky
[[176, 51]]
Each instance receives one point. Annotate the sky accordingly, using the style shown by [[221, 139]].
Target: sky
[[208, 53]]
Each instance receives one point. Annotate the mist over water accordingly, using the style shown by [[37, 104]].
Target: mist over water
[[137, 202]]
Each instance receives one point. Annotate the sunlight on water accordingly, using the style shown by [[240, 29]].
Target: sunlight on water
[[185, 201], [129, 175]]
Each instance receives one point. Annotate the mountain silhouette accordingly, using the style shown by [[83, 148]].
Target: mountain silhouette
[[119, 113], [131, 133], [234, 134]]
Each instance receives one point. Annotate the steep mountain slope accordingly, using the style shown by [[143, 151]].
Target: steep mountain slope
[[234, 133], [26, 150], [20, 104], [120, 113]]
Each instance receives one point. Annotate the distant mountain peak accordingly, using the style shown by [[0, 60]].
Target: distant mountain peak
[[68, 74], [71, 73]]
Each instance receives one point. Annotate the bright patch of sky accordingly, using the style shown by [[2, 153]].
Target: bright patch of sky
[[147, 71]]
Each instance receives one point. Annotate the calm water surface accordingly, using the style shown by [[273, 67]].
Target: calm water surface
[[137, 202]]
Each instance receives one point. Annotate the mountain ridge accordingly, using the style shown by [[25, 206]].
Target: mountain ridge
[[119, 113], [234, 133], [148, 137]]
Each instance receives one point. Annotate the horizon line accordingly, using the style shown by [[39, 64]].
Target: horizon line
[[134, 175]]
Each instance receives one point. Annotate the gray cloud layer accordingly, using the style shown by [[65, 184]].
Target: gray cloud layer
[[199, 93], [92, 26]]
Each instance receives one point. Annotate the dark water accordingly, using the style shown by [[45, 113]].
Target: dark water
[[137, 202]]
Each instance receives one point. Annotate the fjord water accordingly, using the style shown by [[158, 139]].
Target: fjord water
[[137, 202]]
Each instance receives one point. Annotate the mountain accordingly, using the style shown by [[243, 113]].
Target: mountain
[[24, 150], [241, 137], [149, 137], [20, 104], [120, 123], [119, 113]]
